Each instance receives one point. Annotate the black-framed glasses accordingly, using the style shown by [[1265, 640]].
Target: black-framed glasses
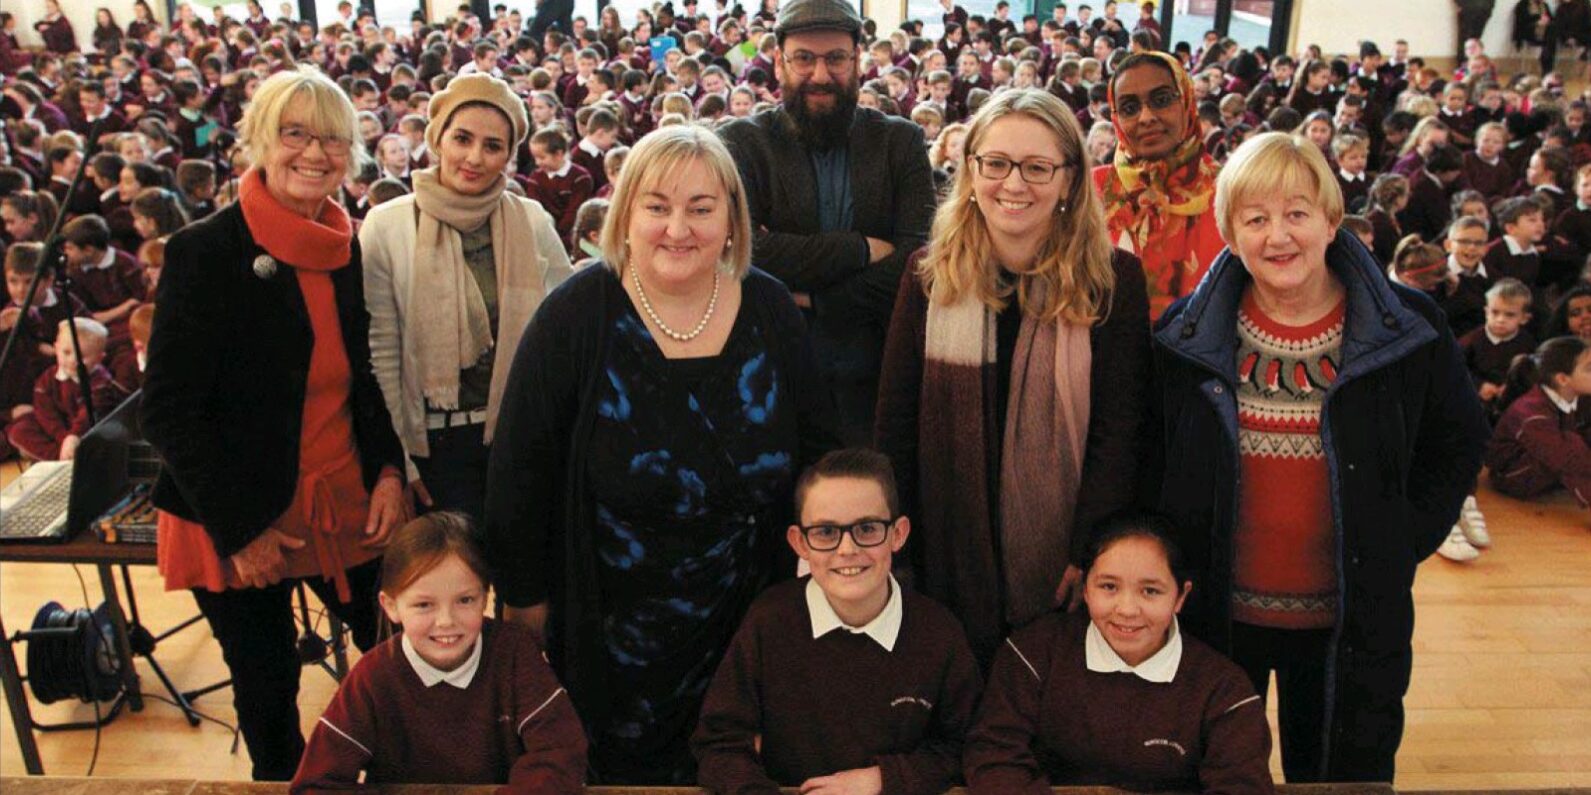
[[297, 138], [803, 61], [866, 533], [1159, 99], [1033, 171]]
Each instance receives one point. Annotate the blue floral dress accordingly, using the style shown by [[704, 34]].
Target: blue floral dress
[[689, 471]]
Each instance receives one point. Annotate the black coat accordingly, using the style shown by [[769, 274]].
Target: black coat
[[892, 191], [1403, 431], [228, 364]]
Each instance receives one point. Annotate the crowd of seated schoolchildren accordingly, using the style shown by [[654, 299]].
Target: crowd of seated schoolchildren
[[1470, 187]]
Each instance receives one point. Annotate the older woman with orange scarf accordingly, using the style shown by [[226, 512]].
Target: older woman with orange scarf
[[1159, 193]]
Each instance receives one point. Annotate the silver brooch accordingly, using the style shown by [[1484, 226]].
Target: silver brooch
[[264, 266]]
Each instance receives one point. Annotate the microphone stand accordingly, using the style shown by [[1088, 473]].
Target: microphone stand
[[53, 259]]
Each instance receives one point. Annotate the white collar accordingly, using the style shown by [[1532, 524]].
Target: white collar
[[1550, 188], [104, 262], [430, 675], [1161, 667], [635, 99], [50, 299], [1455, 114], [1433, 178], [1496, 340], [883, 629], [590, 148], [562, 172], [1565, 406], [1492, 162], [1359, 177], [1458, 270], [1515, 247]]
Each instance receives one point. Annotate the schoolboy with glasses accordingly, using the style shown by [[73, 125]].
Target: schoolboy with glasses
[[877, 696]]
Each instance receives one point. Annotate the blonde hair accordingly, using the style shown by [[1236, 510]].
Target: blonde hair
[[91, 335], [661, 156], [1276, 164], [1423, 130], [329, 111], [939, 153], [1073, 265]]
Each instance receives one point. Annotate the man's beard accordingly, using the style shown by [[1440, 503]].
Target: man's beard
[[822, 130]]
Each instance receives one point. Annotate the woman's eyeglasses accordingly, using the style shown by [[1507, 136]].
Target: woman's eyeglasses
[[1033, 171], [297, 138], [1159, 100], [866, 533]]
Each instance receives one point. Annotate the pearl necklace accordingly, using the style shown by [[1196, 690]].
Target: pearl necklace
[[646, 304]]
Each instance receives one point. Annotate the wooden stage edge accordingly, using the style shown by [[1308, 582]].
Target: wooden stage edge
[[64, 785]]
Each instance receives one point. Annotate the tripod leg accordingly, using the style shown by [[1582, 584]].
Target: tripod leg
[[176, 695], [124, 651]]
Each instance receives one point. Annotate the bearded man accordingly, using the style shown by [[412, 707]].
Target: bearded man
[[840, 197]]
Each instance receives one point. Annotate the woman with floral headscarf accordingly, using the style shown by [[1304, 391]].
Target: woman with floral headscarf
[[1159, 192]]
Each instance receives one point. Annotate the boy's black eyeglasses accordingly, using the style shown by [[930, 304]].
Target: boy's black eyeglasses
[[866, 533]]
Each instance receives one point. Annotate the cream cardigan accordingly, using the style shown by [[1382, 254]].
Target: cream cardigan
[[386, 240]]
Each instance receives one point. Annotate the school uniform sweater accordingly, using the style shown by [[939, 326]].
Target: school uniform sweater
[[1487, 360], [60, 410], [561, 194], [1429, 208], [590, 158], [837, 702], [1574, 225], [1354, 189], [1494, 180], [1537, 447], [1465, 303], [1501, 261], [511, 724], [1046, 719], [102, 287]]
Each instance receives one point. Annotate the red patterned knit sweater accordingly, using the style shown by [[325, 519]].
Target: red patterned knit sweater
[[1284, 569]]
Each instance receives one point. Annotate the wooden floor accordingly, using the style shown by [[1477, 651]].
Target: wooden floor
[[1501, 694]]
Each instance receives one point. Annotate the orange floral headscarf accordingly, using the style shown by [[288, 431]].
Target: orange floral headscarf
[[1153, 200]]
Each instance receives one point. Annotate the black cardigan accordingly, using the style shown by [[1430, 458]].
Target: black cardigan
[[228, 365], [539, 511]]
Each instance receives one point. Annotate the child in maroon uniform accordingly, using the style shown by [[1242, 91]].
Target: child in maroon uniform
[[456, 698], [1543, 440], [559, 184], [59, 419], [35, 351], [1119, 695], [841, 682], [1490, 350]]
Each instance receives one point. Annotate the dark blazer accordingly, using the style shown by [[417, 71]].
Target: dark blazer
[[224, 390], [892, 191], [1404, 433]]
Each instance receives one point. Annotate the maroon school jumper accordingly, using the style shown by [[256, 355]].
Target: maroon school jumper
[[513, 724], [60, 411], [561, 196], [1500, 262], [1047, 719], [837, 702], [1536, 448], [27, 362], [593, 165], [101, 288], [1488, 361], [1493, 180]]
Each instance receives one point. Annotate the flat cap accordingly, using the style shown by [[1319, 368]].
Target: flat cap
[[803, 15]]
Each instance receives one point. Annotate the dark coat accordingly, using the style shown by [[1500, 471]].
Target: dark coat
[[892, 191], [225, 387], [1403, 431]]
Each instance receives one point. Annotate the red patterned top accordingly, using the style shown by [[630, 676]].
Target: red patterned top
[[1284, 570]]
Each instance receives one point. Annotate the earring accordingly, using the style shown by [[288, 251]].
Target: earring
[[973, 198], [1060, 207]]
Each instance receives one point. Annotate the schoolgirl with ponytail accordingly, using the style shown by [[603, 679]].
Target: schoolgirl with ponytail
[[1543, 441]]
